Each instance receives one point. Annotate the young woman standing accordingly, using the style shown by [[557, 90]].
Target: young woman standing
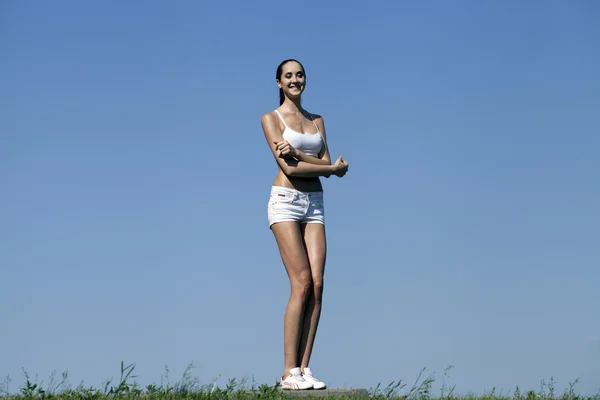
[[297, 217]]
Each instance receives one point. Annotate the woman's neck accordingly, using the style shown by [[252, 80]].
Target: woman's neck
[[292, 105]]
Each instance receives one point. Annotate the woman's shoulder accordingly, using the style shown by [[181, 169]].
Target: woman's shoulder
[[317, 119], [268, 116]]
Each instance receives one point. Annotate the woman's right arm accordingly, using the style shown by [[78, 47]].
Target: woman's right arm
[[290, 166]]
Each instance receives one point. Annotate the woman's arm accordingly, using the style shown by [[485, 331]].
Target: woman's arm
[[290, 166], [301, 156]]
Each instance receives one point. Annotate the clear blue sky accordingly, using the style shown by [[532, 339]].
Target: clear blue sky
[[135, 178]]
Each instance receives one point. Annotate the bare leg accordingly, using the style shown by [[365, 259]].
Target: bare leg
[[293, 254], [316, 245]]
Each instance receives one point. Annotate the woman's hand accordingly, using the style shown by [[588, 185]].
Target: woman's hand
[[285, 149], [340, 167]]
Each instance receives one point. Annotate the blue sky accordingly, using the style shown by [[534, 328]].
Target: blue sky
[[135, 177]]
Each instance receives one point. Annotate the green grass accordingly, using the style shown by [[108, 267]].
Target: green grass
[[190, 388]]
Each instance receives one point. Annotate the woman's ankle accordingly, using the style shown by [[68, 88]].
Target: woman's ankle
[[288, 371]]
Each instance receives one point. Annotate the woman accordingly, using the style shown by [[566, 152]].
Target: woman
[[296, 217]]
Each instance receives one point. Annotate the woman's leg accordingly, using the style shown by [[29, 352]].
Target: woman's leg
[[316, 248], [293, 254]]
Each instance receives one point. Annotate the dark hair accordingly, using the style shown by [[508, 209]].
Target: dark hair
[[280, 71]]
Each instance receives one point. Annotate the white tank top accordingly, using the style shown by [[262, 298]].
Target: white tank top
[[309, 143]]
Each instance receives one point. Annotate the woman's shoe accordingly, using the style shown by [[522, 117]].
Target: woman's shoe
[[295, 381], [309, 377]]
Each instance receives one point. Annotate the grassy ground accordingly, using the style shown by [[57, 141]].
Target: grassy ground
[[190, 389]]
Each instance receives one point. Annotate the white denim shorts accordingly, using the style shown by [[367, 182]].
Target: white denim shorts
[[293, 205]]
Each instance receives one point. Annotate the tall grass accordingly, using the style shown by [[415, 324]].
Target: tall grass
[[190, 388]]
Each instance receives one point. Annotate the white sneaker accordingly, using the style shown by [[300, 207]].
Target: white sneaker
[[309, 377], [295, 381]]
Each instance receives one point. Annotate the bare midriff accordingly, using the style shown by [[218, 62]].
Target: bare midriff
[[311, 184]]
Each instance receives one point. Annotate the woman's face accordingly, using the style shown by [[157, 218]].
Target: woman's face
[[292, 80]]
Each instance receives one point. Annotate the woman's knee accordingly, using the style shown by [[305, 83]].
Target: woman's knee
[[317, 288], [302, 285]]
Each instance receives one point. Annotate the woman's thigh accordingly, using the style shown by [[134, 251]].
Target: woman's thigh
[[293, 253]]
